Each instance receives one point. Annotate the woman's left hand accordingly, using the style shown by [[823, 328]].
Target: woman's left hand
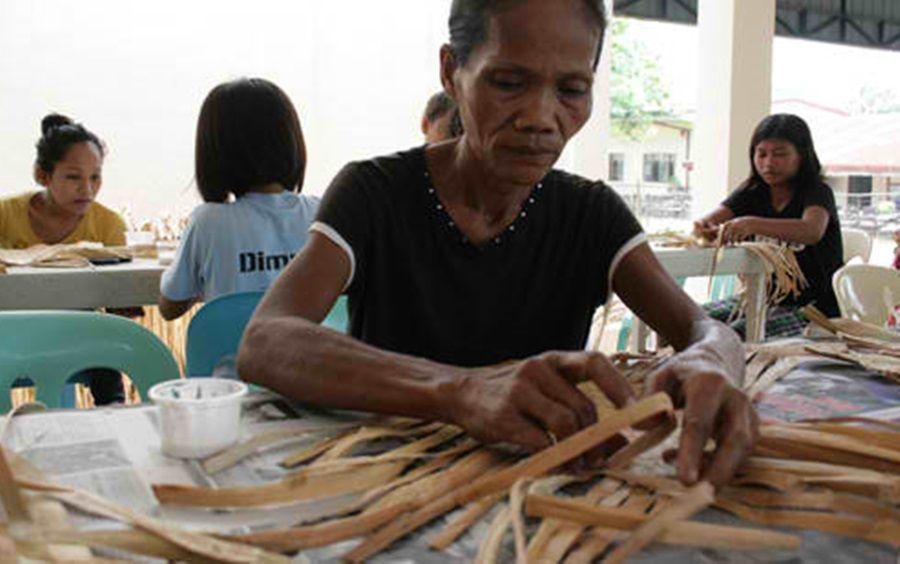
[[714, 408], [738, 229]]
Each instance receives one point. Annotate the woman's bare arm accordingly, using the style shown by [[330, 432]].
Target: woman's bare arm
[[286, 350], [705, 375]]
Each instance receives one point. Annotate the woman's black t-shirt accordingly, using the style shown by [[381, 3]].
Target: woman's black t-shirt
[[418, 286], [819, 261]]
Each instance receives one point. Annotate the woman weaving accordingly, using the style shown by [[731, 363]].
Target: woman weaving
[[473, 269]]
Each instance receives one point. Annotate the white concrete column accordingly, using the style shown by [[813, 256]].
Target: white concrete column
[[588, 152], [735, 93]]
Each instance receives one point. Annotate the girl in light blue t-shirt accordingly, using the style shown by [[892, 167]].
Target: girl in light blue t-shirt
[[249, 162]]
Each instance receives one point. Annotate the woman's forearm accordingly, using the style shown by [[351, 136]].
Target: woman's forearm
[[790, 230], [722, 342], [305, 361]]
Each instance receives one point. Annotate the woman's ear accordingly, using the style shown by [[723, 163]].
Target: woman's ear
[[41, 176], [448, 70]]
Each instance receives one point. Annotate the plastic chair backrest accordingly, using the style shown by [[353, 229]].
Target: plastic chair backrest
[[866, 292], [51, 346], [216, 330], [856, 243]]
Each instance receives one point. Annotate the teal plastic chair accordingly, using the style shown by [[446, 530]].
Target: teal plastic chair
[[49, 347], [215, 331]]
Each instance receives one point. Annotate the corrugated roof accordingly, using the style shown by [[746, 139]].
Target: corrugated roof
[[864, 23]]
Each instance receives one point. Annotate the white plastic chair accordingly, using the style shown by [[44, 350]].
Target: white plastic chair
[[857, 243], [866, 292]]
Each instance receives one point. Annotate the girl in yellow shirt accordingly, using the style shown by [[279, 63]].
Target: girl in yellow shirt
[[69, 166]]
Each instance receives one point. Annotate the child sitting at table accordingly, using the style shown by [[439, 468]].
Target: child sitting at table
[[69, 167], [783, 200], [249, 164]]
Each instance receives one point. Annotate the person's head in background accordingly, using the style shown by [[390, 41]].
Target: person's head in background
[[441, 119], [248, 140], [782, 154], [69, 165]]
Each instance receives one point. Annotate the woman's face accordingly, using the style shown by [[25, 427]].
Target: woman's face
[[526, 90], [75, 179], [776, 161]]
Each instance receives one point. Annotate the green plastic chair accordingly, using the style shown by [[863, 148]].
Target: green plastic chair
[[215, 331], [49, 347]]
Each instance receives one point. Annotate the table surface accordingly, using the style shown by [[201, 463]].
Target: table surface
[[126, 441], [127, 284], [137, 282]]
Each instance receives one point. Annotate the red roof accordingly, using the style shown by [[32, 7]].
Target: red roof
[[849, 144]]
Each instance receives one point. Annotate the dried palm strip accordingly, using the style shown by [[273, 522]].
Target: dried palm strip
[[437, 463], [689, 533], [759, 362], [240, 451], [859, 481], [298, 538], [642, 444], [876, 530], [303, 484], [829, 441], [881, 346], [848, 326], [50, 514], [572, 447], [819, 499], [888, 425], [865, 486], [516, 498], [798, 450], [307, 454], [429, 487], [535, 465], [883, 439], [196, 543], [132, 541], [554, 537], [471, 515], [716, 255], [685, 506], [659, 484], [322, 534], [597, 539], [348, 443], [773, 479], [774, 373], [489, 548]]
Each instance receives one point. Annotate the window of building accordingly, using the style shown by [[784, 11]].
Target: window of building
[[617, 166], [659, 167]]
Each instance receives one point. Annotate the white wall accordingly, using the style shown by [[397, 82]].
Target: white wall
[[359, 72], [656, 139]]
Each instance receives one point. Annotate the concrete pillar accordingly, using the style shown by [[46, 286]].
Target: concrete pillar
[[587, 154], [735, 93]]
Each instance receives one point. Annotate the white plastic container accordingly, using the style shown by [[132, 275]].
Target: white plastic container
[[198, 416]]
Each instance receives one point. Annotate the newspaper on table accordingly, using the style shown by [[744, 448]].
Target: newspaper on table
[[115, 453]]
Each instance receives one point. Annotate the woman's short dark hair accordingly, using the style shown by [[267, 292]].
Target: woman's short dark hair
[[248, 135], [469, 21], [58, 134], [790, 128]]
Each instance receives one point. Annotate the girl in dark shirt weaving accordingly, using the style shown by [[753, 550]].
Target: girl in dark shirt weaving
[[783, 200]]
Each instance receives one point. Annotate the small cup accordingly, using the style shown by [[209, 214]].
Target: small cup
[[198, 416]]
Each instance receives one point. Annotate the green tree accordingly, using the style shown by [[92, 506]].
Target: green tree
[[638, 93]]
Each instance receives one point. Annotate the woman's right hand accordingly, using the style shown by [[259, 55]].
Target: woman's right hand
[[534, 402], [706, 229]]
